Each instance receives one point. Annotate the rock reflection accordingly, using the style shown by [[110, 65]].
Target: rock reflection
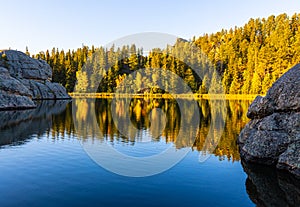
[[18, 126], [267, 186]]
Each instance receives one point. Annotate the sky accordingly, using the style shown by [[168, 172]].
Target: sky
[[67, 24]]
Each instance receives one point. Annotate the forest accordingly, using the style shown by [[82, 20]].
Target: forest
[[248, 60]]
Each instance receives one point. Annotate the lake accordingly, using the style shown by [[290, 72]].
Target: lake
[[100, 152]]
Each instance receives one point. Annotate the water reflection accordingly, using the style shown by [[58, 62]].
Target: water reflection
[[268, 187], [18, 126], [265, 186], [161, 118], [142, 112], [141, 116]]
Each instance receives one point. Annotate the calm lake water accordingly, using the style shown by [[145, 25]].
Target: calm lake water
[[44, 160]]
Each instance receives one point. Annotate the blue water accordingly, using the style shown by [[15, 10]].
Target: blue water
[[47, 172], [47, 166]]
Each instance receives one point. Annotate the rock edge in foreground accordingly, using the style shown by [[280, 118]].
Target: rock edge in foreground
[[272, 137]]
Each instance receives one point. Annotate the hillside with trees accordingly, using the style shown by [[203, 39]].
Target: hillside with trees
[[248, 59]]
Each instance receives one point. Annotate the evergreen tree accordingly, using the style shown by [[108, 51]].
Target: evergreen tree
[[249, 59]]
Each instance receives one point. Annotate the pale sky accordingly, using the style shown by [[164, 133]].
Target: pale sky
[[67, 24]]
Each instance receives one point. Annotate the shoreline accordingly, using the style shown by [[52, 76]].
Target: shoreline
[[250, 97]]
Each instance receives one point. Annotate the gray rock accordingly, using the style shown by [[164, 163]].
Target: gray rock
[[58, 90], [284, 95], [13, 93], [42, 91], [272, 137], [290, 160], [12, 85], [24, 79], [22, 66], [11, 101]]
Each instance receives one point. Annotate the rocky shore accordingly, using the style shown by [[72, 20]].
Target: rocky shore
[[24, 79], [272, 137]]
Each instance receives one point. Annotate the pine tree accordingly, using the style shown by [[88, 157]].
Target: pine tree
[[27, 52], [249, 58], [82, 82], [256, 84]]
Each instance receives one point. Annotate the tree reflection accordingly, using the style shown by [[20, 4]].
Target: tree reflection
[[161, 118], [146, 114]]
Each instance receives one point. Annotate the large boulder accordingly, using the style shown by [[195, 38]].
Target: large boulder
[[24, 79], [272, 136]]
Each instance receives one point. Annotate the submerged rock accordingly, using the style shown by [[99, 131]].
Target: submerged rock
[[23, 79], [272, 137]]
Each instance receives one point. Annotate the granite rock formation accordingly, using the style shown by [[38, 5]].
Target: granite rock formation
[[272, 136], [24, 79]]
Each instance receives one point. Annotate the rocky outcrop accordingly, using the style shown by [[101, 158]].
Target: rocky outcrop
[[13, 93], [24, 79], [272, 137]]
